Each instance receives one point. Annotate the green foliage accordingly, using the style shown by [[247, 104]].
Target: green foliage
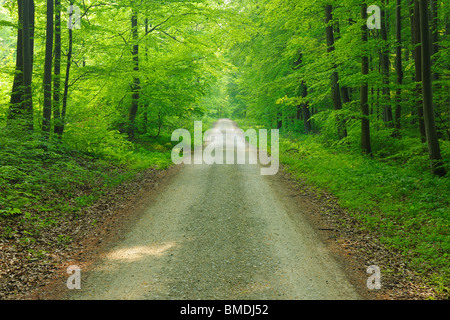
[[44, 181], [44, 177], [206, 59], [404, 204], [265, 82], [284, 45], [93, 136]]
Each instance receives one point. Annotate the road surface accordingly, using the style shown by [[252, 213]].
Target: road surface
[[218, 232]]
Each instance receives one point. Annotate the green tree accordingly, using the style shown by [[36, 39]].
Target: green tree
[[47, 110], [364, 91], [428, 108]]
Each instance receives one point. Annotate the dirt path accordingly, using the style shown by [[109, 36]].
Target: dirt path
[[218, 232]]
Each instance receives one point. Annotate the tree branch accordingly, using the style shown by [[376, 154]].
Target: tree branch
[[170, 36]]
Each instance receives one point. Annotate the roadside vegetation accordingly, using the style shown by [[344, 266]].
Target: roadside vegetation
[[43, 181], [391, 194], [396, 197], [363, 113]]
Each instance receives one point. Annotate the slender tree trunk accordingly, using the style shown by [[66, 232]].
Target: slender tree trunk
[[145, 108], [345, 95], [299, 114], [346, 91], [398, 65], [21, 103], [364, 92], [413, 110], [335, 90], [447, 67], [447, 25], [16, 102], [428, 109], [146, 32], [373, 109], [434, 35], [32, 23], [57, 70], [66, 80], [385, 63], [279, 120], [47, 110], [418, 70], [28, 16], [305, 109], [135, 88], [434, 50]]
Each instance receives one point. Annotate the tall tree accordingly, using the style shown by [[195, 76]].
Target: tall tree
[[418, 69], [27, 47], [135, 87], [21, 104], [61, 125], [364, 91], [305, 108], [385, 65], [57, 71], [16, 105], [398, 64], [434, 150], [434, 34], [47, 110], [335, 91]]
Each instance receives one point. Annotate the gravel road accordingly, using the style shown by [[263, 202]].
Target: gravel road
[[218, 232]]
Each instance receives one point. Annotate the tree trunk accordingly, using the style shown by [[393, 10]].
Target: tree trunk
[[66, 80], [47, 110], [57, 70], [135, 87], [413, 110], [418, 70], [398, 65], [16, 102], [21, 103], [387, 109], [364, 92], [434, 34], [279, 120], [27, 45], [305, 109], [434, 150], [434, 50], [335, 91], [32, 23], [346, 91], [345, 95]]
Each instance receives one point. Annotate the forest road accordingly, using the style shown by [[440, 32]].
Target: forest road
[[218, 232]]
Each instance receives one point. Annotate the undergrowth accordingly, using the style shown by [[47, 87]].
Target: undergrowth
[[392, 193], [45, 180]]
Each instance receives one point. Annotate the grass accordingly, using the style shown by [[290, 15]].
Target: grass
[[43, 181], [395, 196]]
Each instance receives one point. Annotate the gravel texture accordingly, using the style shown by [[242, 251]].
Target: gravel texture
[[218, 232]]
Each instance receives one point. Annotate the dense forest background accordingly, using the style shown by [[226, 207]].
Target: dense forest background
[[363, 113]]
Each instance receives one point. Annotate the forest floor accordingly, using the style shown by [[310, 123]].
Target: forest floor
[[22, 277], [256, 238]]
